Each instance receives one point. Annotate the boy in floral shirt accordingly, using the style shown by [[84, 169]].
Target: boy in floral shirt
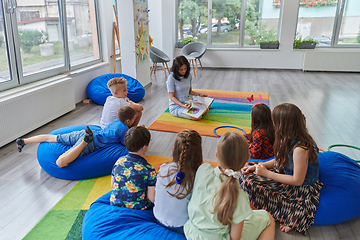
[[133, 178]]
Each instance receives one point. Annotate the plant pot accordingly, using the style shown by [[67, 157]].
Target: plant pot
[[269, 45], [307, 45], [180, 44]]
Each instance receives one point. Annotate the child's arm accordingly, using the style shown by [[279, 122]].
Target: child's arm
[[300, 158], [112, 181], [252, 168], [191, 92], [236, 230], [151, 193], [137, 107]]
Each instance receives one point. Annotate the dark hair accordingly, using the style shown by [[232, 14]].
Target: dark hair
[[177, 63], [261, 119], [232, 153], [126, 113], [136, 138], [290, 125], [187, 154]]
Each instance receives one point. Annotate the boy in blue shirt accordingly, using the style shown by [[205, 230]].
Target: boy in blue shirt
[[133, 178], [86, 141]]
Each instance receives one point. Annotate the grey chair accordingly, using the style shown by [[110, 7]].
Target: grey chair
[[158, 56], [194, 51]]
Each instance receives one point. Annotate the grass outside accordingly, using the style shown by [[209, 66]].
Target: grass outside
[[35, 57]]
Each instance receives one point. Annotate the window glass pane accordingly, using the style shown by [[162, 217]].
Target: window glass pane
[[192, 14], [262, 21], [40, 35], [4, 59], [316, 20], [82, 31], [350, 25], [225, 22]]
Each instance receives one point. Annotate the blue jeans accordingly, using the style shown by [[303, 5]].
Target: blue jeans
[[74, 139]]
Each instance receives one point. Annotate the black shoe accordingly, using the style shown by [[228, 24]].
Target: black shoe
[[20, 144], [88, 135]]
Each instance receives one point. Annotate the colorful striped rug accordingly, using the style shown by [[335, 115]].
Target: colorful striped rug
[[229, 108], [64, 220]]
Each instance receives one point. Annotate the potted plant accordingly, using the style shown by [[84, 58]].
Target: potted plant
[[274, 44], [185, 41], [300, 43]]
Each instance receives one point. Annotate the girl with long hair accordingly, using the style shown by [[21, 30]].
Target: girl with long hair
[[290, 192], [262, 136], [218, 208], [179, 87], [175, 181]]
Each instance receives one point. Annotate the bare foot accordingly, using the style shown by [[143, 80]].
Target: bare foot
[[284, 228], [195, 119]]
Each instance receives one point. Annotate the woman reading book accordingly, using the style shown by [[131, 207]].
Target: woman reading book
[[179, 88]]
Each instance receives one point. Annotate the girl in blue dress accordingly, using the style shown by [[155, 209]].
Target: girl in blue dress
[[288, 187]]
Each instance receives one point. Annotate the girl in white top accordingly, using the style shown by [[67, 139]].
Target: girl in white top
[[175, 181]]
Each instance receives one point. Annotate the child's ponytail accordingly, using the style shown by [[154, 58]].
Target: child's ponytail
[[232, 153], [187, 154]]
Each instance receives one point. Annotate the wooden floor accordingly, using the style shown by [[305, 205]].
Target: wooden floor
[[330, 102]]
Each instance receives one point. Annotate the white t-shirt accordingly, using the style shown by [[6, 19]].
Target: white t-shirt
[[170, 211], [111, 108]]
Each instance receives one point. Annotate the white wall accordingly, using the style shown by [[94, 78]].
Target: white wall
[[162, 25]]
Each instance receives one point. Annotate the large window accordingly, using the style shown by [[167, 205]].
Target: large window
[[234, 23], [330, 23], [42, 38]]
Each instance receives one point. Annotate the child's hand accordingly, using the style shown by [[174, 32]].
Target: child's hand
[[187, 105], [248, 169], [260, 169]]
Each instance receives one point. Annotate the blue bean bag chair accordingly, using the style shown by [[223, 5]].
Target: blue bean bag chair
[[103, 221], [339, 197], [98, 91], [95, 164]]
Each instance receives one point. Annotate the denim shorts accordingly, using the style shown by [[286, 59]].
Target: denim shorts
[[75, 138], [176, 111]]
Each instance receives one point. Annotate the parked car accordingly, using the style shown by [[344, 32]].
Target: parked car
[[225, 27], [322, 40], [202, 26], [187, 29]]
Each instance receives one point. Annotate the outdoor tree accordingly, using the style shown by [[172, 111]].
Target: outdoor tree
[[29, 38], [190, 12]]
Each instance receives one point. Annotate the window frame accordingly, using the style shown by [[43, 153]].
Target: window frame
[[11, 34]]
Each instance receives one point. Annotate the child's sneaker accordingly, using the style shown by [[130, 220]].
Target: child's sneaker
[[20, 144], [88, 135]]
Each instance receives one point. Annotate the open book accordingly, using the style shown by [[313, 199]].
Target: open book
[[198, 106]]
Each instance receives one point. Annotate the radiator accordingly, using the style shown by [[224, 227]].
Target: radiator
[[33, 105]]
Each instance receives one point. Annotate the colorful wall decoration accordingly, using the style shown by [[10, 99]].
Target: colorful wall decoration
[[141, 25]]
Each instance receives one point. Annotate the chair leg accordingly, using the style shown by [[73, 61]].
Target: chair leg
[[196, 65], [167, 67], [164, 69], [155, 65], [152, 68], [200, 64], [192, 61]]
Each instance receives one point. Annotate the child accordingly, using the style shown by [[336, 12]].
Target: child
[[133, 178], [86, 141], [118, 99], [262, 136], [175, 181], [179, 87], [218, 208], [290, 192]]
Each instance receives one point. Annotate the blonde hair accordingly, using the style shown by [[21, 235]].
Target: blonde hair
[[187, 155], [113, 84], [232, 153]]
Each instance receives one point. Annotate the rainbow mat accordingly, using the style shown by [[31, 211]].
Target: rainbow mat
[[229, 108], [64, 220]]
